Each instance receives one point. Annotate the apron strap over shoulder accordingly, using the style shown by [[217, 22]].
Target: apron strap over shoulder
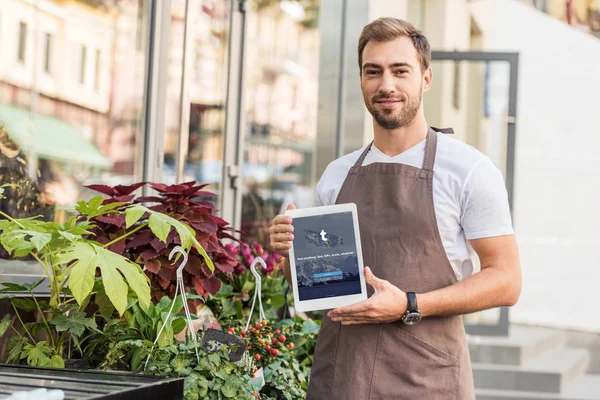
[[448, 131], [430, 149], [362, 157]]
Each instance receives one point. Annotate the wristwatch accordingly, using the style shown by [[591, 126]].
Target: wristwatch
[[412, 315]]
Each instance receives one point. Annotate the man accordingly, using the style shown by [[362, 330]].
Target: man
[[425, 202]]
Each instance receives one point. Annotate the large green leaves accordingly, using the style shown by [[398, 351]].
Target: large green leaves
[[88, 257], [161, 225], [21, 241]]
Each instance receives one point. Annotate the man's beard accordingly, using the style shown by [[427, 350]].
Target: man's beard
[[387, 120]]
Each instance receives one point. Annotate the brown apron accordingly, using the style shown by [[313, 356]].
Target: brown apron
[[401, 244]]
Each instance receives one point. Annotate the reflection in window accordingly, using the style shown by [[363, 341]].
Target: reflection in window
[[201, 145], [57, 135], [281, 98]]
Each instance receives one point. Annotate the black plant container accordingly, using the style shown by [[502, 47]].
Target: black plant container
[[89, 384]]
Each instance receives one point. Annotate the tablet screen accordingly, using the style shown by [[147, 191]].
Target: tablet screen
[[325, 255]]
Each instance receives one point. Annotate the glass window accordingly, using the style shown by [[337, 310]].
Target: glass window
[[57, 135], [200, 142], [281, 96], [22, 41]]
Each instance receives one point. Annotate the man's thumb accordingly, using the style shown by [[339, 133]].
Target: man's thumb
[[372, 280], [291, 207]]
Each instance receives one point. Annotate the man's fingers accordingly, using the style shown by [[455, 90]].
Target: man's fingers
[[353, 310], [375, 282], [282, 219], [281, 228], [282, 237]]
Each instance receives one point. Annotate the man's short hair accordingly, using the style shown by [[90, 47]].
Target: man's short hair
[[387, 29]]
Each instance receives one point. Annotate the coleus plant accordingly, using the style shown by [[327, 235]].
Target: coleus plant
[[187, 204]]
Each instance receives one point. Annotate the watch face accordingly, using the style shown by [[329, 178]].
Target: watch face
[[412, 318]]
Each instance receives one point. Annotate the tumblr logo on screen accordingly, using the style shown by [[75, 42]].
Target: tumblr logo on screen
[[323, 233]]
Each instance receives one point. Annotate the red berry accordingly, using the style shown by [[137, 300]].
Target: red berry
[[268, 348], [291, 345], [281, 338], [257, 357], [258, 326], [260, 335], [243, 333], [275, 352], [274, 341], [249, 347], [277, 332]]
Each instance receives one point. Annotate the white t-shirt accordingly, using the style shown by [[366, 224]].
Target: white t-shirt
[[469, 194]]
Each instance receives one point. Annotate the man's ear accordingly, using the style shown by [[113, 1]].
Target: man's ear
[[427, 79]]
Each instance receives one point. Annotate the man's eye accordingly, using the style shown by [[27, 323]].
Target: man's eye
[[401, 72], [371, 72]]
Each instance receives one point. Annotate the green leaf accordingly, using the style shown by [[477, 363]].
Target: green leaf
[[177, 325], [278, 301], [136, 359], [133, 214], [229, 390], [161, 224], [166, 336], [22, 240], [69, 236], [75, 323], [163, 304], [104, 305], [310, 326], [37, 355], [190, 382], [15, 348], [214, 359], [94, 207], [30, 286], [24, 304], [89, 257], [57, 362], [4, 324], [13, 287]]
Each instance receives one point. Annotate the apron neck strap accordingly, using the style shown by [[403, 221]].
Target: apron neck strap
[[430, 149], [362, 157]]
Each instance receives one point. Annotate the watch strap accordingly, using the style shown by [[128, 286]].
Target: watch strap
[[412, 302]]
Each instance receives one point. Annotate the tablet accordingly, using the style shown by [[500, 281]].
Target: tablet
[[326, 257]]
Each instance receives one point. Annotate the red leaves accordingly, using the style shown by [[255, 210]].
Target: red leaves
[[186, 202], [118, 190]]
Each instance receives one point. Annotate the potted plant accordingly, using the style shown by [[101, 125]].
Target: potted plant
[[77, 267]]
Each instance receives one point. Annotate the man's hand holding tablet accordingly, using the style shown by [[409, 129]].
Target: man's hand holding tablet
[[322, 245]]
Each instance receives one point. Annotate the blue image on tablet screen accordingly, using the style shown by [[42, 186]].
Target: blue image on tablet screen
[[325, 253]]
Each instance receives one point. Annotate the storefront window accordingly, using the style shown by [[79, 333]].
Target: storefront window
[[201, 109], [281, 93], [71, 96]]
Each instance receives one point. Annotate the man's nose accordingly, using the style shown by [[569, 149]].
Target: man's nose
[[387, 84]]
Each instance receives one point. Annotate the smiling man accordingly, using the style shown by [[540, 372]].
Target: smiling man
[[426, 203]]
